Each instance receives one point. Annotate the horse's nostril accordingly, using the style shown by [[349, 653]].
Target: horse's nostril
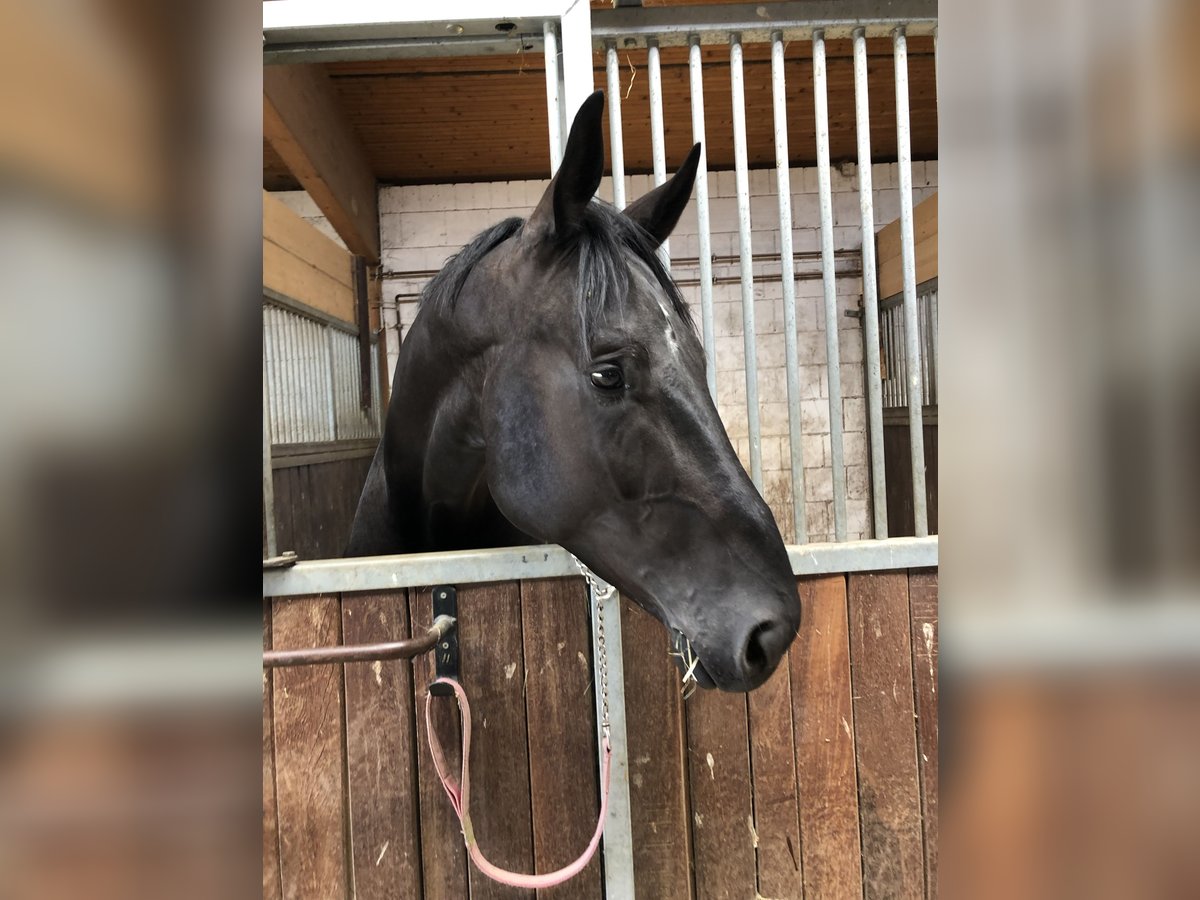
[[758, 654]]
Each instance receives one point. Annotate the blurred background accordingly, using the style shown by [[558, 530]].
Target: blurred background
[[130, 630]]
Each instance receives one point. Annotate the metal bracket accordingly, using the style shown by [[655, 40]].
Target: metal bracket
[[445, 655]]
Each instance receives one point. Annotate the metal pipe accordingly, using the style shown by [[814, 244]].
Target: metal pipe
[[916, 432], [406, 649], [268, 476], [703, 227], [862, 117], [387, 573], [616, 140], [783, 188], [552, 101], [742, 180], [832, 352], [658, 149]]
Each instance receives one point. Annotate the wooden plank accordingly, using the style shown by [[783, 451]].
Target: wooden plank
[[304, 122], [309, 743], [776, 800], [290, 231], [563, 779], [823, 717], [719, 776], [886, 745], [299, 279], [493, 674], [272, 883], [443, 857], [888, 249], [923, 599], [381, 753], [658, 792], [925, 226]]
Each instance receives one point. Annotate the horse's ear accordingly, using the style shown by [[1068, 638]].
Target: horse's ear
[[658, 212], [562, 206]]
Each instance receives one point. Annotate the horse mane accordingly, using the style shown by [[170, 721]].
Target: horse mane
[[600, 245]]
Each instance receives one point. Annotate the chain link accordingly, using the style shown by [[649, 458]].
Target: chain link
[[602, 591]]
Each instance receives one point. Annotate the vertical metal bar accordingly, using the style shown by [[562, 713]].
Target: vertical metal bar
[[909, 268], [618, 829], [268, 478], [293, 378], [269, 359], [332, 393], [552, 101], [616, 140], [702, 220], [832, 352], [783, 187], [862, 117], [658, 149], [742, 183], [576, 44], [933, 345]]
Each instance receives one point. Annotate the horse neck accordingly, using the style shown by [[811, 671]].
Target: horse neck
[[433, 445]]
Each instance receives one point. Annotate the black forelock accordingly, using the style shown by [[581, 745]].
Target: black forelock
[[599, 245]]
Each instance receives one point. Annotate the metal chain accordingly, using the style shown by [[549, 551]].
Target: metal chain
[[601, 590]]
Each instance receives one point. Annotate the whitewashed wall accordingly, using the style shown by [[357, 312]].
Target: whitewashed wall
[[422, 225]]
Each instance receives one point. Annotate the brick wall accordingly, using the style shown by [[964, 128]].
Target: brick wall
[[422, 225]]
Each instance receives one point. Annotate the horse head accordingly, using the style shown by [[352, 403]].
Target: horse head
[[597, 428]]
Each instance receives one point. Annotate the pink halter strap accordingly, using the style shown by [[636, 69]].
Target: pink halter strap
[[460, 799]]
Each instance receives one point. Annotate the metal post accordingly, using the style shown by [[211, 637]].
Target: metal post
[[552, 100], [862, 115], [912, 341], [658, 149], [702, 221], [832, 352], [742, 182], [268, 477], [618, 829], [783, 188], [615, 139]]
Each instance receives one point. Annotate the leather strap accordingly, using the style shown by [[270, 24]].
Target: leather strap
[[460, 798]]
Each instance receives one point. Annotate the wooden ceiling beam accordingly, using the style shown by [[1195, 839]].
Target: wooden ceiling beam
[[304, 123]]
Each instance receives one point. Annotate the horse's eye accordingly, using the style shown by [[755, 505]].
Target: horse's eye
[[608, 378]]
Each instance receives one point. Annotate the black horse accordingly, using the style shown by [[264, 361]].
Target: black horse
[[552, 389]]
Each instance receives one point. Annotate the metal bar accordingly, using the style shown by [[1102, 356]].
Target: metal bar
[[497, 45], [703, 226], [912, 370], [575, 37], [268, 474], [783, 188], [406, 649], [797, 20], [333, 404], [745, 253], [658, 149], [618, 830], [862, 117], [829, 278], [552, 99], [380, 573], [272, 401], [616, 140]]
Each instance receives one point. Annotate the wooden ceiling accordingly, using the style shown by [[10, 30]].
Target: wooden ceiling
[[484, 118]]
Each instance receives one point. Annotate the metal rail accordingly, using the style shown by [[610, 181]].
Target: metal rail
[[406, 649], [379, 573]]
